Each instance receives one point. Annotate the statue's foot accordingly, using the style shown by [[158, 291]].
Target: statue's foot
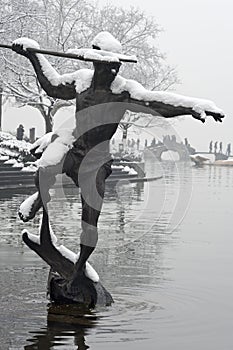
[[81, 290], [30, 206]]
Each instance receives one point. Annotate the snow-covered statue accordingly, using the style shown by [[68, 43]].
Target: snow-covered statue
[[102, 97]]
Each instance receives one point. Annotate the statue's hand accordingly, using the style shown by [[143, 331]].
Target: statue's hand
[[19, 49], [21, 45], [40, 145], [218, 117]]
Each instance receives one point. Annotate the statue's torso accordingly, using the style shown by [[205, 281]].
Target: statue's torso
[[96, 126]]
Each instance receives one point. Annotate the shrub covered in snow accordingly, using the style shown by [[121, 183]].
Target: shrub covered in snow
[[11, 148]]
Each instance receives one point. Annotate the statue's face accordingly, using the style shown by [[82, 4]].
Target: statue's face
[[107, 71]]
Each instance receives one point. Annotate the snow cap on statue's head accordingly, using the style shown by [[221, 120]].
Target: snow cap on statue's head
[[106, 41]]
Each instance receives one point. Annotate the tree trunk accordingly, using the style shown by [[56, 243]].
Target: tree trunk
[[124, 137], [48, 123]]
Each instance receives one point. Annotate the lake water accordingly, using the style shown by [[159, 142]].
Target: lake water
[[164, 253]]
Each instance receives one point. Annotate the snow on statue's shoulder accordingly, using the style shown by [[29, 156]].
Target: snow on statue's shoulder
[[138, 92]]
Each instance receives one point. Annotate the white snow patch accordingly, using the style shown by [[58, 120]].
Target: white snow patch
[[4, 158], [117, 167], [18, 165], [52, 235], [11, 162], [131, 171], [91, 273], [106, 41], [33, 238], [53, 154], [101, 55], [67, 253], [56, 150], [42, 142], [92, 54], [26, 206], [65, 136], [83, 80], [31, 168], [27, 43]]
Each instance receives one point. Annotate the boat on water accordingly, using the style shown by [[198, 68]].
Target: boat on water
[[211, 159]]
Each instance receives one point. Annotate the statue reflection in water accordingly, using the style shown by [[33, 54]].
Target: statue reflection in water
[[63, 324]]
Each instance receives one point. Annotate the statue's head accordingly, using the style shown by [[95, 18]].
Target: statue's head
[[110, 56], [110, 48]]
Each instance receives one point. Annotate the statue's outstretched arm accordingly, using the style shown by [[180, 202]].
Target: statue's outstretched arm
[[54, 84], [166, 104]]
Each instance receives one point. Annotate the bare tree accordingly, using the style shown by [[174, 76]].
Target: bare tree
[[64, 24], [50, 23]]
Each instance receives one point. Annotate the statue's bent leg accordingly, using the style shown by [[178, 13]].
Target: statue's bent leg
[[45, 178]]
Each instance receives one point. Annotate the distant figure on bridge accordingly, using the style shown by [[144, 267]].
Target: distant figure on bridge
[[228, 153], [153, 142], [20, 132], [145, 143], [166, 139], [220, 147], [211, 146], [215, 146], [173, 138], [138, 144]]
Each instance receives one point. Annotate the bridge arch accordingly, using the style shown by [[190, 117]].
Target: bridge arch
[[170, 144]]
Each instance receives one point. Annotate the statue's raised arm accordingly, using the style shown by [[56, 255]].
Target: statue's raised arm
[[54, 84], [166, 104]]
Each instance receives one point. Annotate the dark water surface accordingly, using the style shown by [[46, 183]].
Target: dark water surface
[[172, 284]]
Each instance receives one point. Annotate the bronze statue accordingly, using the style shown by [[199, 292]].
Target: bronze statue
[[102, 97]]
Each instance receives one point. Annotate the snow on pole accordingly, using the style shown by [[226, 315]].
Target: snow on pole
[[88, 55]]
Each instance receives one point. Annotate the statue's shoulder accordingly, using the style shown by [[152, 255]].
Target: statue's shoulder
[[82, 79], [132, 87]]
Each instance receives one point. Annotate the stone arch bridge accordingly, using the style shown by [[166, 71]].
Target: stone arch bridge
[[170, 144]]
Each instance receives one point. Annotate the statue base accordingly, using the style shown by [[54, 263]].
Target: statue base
[[88, 293]]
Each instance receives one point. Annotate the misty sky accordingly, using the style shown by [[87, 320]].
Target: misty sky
[[197, 38]]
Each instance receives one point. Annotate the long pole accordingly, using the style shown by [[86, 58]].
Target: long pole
[[70, 55]]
